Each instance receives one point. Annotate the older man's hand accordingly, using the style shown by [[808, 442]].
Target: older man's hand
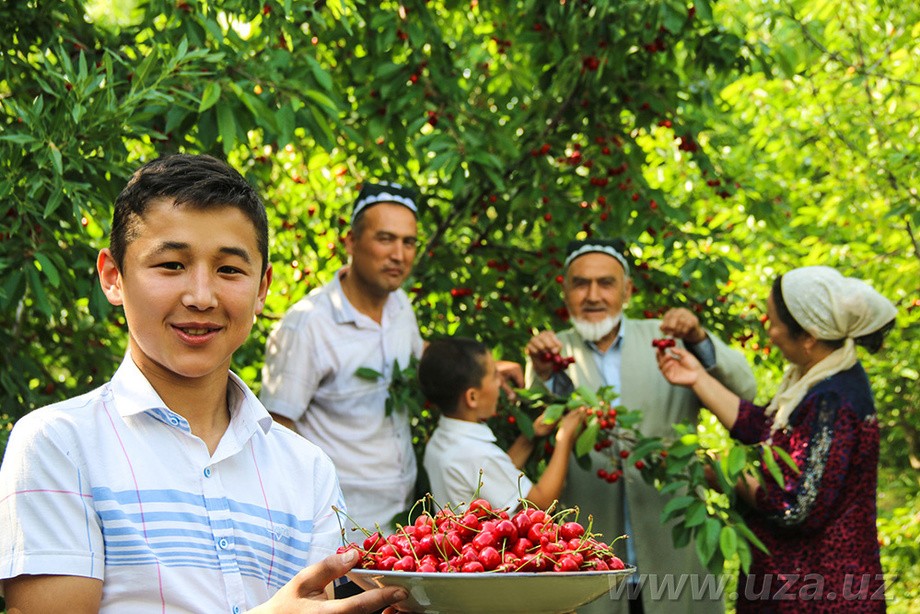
[[543, 342], [682, 324]]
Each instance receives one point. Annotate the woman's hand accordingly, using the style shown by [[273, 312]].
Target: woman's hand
[[679, 366]]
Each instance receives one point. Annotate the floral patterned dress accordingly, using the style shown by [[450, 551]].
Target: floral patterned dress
[[820, 526]]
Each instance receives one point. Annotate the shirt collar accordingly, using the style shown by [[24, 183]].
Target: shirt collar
[[134, 394], [464, 428], [343, 312]]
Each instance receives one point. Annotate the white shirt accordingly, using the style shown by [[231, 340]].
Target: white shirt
[[114, 486], [454, 456], [309, 376]]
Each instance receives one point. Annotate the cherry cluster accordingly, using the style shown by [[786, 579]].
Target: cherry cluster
[[663, 344], [559, 362], [481, 539]]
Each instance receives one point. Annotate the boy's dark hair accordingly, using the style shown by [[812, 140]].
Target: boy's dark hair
[[448, 368], [196, 181]]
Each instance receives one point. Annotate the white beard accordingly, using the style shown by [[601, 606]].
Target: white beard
[[595, 331]]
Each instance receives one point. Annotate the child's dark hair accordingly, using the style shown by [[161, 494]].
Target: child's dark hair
[[871, 341], [197, 181], [449, 367]]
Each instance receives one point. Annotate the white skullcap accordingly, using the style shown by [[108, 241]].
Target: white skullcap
[[830, 306]]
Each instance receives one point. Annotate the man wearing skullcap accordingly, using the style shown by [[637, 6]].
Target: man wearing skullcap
[[612, 350], [362, 318], [819, 525]]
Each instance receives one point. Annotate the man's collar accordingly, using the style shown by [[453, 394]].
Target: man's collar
[[343, 312]]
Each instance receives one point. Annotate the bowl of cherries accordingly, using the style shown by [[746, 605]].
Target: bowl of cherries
[[478, 559]]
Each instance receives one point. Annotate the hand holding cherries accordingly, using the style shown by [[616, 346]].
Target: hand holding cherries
[[559, 362]]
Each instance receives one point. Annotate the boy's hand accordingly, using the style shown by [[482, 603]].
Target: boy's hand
[[571, 425], [512, 376], [306, 592], [542, 428]]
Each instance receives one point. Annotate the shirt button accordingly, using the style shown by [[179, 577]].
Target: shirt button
[[207, 472], [174, 421], [223, 544], [237, 609]]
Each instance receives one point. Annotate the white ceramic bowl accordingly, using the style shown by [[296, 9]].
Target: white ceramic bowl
[[494, 593]]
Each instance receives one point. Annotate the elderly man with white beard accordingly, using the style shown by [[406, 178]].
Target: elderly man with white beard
[[612, 350]]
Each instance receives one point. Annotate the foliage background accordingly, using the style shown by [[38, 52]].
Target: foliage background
[[726, 142]]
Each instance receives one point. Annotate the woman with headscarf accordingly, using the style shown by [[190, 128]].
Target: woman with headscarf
[[820, 525]]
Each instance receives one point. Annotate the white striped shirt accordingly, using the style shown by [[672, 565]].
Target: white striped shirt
[[113, 485]]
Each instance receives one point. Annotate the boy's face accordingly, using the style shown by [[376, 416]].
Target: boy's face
[[190, 289], [488, 390]]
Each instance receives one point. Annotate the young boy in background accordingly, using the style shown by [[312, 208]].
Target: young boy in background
[[168, 489], [459, 376]]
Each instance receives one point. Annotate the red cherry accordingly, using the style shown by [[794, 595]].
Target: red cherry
[[572, 530], [472, 567]]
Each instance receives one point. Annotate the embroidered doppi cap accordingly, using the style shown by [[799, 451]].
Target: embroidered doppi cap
[[612, 247], [384, 192], [830, 306]]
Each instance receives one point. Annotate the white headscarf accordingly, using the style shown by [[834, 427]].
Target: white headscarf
[[829, 307]]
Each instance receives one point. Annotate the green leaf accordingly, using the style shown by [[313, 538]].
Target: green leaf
[[226, 126], [696, 514], [786, 459], [672, 487], [707, 540], [319, 73], [703, 9], [38, 290], [644, 449], [19, 138], [749, 535], [737, 459], [387, 70], [744, 555], [368, 374], [682, 450], [587, 439], [728, 542], [772, 467], [675, 506], [56, 159], [587, 395], [54, 200], [209, 97], [48, 268], [553, 412], [680, 535], [12, 288]]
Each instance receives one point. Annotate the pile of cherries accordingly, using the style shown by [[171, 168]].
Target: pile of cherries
[[559, 362], [481, 539]]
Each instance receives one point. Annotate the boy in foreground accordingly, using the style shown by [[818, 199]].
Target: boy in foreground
[[167, 489], [459, 376]]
